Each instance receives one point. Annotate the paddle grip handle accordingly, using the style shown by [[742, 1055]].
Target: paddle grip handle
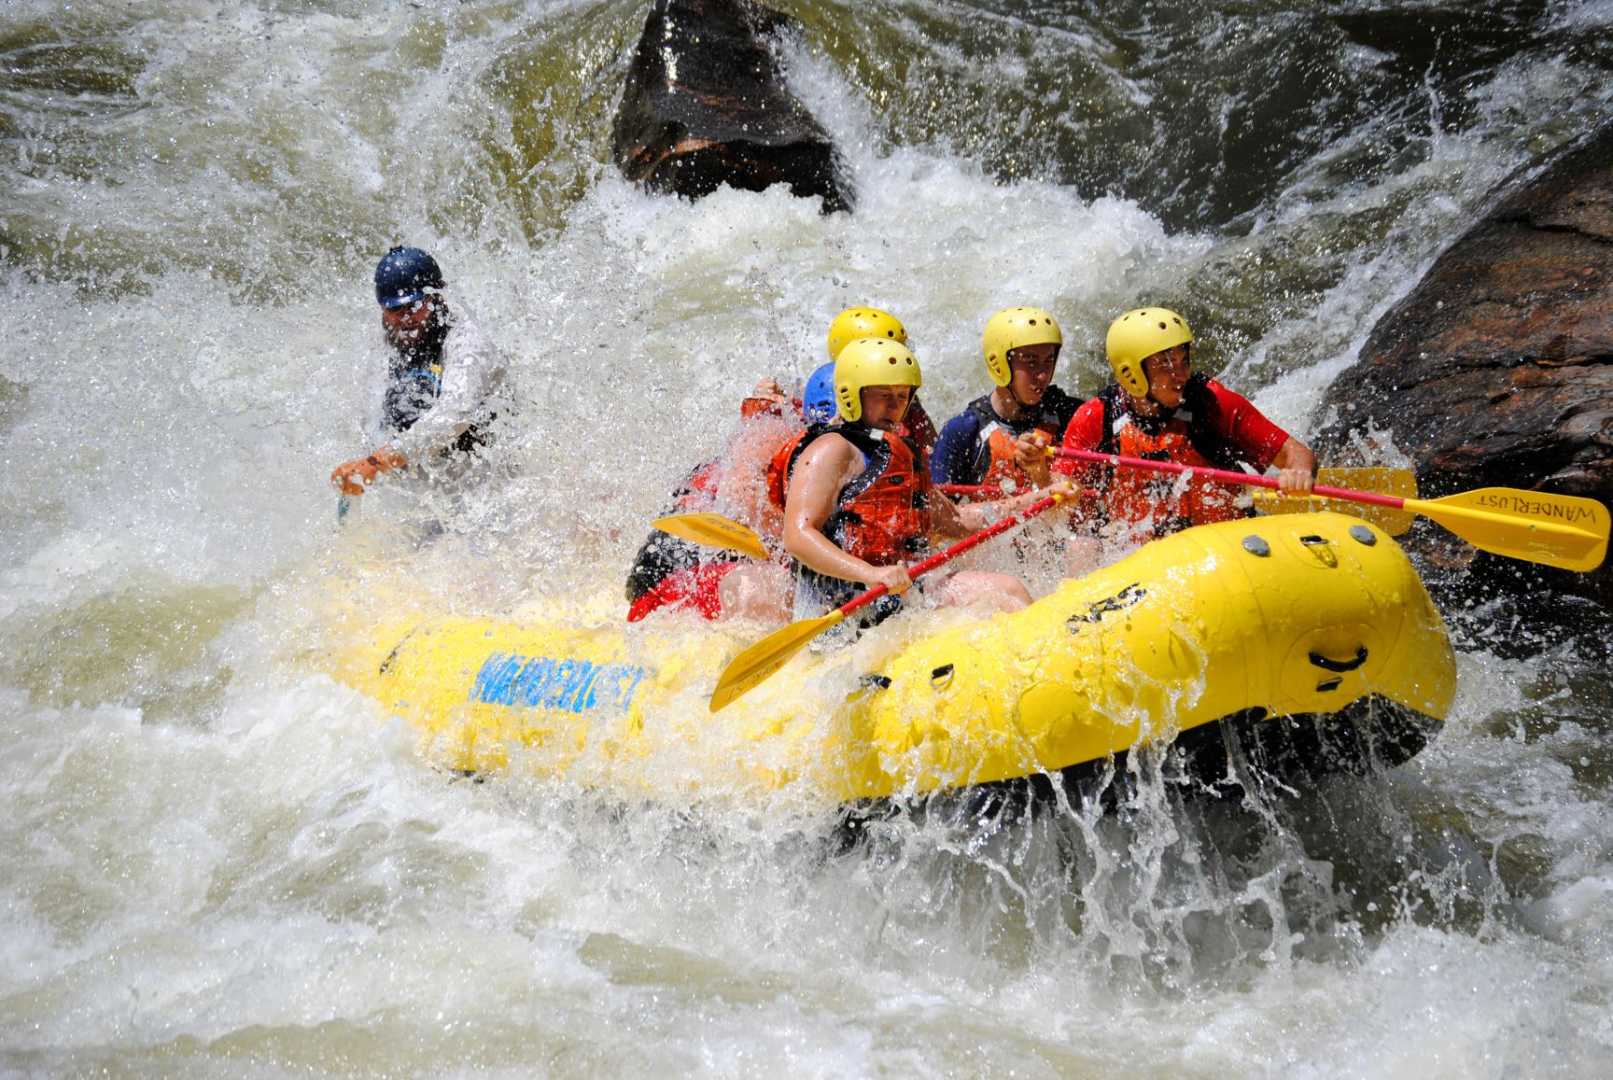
[[1227, 476], [919, 569]]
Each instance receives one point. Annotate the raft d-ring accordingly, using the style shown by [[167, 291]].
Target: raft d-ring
[[1256, 545], [869, 684], [1340, 666], [1363, 535], [941, 677], [1322, 548]]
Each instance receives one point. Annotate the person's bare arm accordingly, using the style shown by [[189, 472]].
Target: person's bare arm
[[828, 465]]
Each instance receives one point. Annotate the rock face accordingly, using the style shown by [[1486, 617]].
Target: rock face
[[705, 105], [1497, 369]]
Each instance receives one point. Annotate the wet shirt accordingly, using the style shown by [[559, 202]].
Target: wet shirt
[[428, 408]]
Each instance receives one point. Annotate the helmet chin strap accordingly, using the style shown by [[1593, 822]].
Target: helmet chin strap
[[1160, 408]]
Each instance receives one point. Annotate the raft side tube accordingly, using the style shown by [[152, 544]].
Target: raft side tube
[[1291, 615], [1303, 614]]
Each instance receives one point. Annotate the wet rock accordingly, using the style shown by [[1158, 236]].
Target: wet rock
[[1497, 369], [705, 105]]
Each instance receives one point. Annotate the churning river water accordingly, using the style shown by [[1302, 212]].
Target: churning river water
[[217, 861]]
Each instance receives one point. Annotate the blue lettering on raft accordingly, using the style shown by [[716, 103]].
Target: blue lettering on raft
[[546, 682]]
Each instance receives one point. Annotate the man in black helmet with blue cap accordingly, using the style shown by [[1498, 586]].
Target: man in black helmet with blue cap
[[442, 376]]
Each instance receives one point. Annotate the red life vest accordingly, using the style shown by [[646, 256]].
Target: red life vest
[[699, 491], [1185, 437], [697, 588], [883, 515]]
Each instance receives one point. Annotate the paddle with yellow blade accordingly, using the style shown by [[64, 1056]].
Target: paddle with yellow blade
[[714, 530], [753, 666], [1379, 481], [1565, 531]]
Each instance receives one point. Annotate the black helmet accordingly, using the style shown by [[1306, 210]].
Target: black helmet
[[403, 275]]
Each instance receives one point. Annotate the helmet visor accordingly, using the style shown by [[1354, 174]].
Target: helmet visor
[[404, 299]]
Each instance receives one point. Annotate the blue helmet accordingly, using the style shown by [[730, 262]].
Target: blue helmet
[[403, 275], [818, 398]]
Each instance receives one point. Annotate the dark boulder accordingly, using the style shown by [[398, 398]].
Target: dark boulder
[[705, 104], [1497, 369]]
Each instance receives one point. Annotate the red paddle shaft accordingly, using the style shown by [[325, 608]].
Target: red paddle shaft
[[948, 554], [1226, 476]]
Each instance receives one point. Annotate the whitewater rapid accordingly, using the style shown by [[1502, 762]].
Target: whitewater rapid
[[216, 860]]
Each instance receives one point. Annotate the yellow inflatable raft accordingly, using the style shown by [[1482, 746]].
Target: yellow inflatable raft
[[1318, 616]]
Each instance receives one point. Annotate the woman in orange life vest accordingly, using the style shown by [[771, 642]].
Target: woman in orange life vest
[[675, 574], [1158, 408], [859, 502], [850, 325], [1000, 439]]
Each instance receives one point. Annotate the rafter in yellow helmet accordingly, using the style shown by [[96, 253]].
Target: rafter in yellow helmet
[[1013, 328], [871, 361], [1137, 335]]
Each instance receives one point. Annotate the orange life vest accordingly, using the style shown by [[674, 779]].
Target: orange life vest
[[783, 461], [1185, 437], [996, 443], [883, 515]]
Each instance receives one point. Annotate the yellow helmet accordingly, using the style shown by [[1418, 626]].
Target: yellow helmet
[[861, 322], [871, 361], [1137, 335], [1012, 328]]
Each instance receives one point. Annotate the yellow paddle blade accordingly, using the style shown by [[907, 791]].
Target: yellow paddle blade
[[713, 530], [1380, 481], [1565, 531], [753, 666]]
